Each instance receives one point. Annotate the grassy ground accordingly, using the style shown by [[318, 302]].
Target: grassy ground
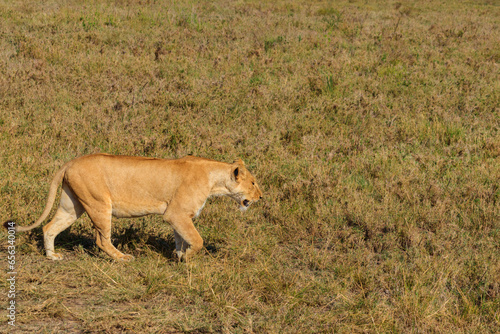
[[372, 126]]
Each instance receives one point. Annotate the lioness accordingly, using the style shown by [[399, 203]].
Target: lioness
[[106, 185]]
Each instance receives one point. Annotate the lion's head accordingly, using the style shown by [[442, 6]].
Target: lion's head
[[243, 186]]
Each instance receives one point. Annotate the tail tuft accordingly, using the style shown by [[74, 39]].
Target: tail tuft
[[9, 224]]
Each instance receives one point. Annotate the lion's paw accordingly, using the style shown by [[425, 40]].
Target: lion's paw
[[181, 256], [55, 256], [126, 258]]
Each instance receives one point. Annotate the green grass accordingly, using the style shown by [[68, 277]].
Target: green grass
[[372, 127]]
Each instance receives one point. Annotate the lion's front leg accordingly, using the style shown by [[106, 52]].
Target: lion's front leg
[[180, 245], [187, 239]]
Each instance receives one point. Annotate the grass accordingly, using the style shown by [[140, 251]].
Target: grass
[[373, 128]]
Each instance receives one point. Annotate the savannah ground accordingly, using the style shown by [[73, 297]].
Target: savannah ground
[[372, 126]]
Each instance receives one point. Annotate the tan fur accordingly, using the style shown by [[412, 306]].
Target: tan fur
[[121, 186]]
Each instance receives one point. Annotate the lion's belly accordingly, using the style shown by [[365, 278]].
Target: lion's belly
[[130, 210]]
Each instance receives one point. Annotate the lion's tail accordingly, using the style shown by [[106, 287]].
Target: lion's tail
[[50, 201]]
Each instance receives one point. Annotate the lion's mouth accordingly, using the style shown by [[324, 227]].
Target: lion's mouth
[[246, 203]]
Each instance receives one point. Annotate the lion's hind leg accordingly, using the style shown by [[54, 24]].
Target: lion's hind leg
[[100, 214], [68, 212]]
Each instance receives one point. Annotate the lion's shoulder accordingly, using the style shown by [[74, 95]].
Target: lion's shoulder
[[192, 158]]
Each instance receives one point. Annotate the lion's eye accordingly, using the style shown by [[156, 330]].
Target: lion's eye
[[253, 183]]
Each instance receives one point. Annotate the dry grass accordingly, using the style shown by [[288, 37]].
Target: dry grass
[[373, 128]]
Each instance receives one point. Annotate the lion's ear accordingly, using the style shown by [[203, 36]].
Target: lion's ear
[[238, 170], [235, 174], [239, 162]]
